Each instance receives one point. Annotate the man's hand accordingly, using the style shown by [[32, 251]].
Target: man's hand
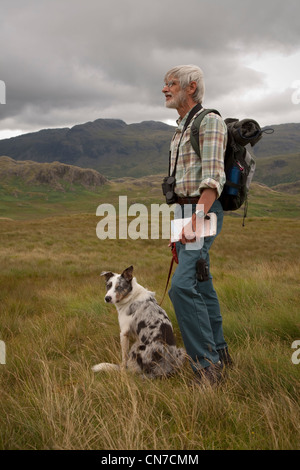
[[188, 233]]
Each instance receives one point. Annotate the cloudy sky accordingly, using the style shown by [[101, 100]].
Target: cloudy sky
[[65, 62]]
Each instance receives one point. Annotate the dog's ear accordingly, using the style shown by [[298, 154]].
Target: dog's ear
[[127, 273], [107, 274]]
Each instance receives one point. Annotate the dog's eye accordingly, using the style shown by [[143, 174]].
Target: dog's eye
[[108, 286]]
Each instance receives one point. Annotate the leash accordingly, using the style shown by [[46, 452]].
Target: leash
[[167, 283], [174, 258]]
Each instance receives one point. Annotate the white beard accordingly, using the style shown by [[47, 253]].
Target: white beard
[[176, 101]]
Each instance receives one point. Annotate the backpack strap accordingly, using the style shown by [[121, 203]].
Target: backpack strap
[[196, 126], [192, 113]]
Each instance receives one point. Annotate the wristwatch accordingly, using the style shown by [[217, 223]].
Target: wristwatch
[[200, 214]]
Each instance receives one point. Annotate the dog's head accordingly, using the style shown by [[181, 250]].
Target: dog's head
[[118, 286]]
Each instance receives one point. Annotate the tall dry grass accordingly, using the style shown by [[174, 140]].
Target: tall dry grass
[[56, 326]]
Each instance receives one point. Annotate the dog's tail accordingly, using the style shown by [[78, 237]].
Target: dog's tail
[[103, 366]]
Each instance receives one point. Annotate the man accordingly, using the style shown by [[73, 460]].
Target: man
[[199, 181]]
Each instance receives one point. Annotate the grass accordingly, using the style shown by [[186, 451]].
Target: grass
[[22, 201], [56, 325]]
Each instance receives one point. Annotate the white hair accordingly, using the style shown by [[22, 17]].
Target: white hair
[[187, 74]]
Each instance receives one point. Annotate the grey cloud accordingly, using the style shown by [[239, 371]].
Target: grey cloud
[[68, 61]]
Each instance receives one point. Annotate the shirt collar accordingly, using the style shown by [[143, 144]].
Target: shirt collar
[[181, 121]]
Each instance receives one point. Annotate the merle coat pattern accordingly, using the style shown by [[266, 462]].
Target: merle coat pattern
[[154, 352]]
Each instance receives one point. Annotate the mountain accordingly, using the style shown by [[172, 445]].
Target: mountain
[[107, 145], [117, 149]]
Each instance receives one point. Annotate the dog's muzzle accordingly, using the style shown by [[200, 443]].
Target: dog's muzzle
[[107, 298]]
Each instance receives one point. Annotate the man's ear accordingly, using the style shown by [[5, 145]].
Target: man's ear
[[192, 87], [107, 274], [127, 273]]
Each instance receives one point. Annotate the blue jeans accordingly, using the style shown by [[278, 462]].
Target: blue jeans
[[196, 303]]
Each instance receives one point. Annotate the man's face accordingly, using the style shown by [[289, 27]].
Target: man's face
[[175, 96]]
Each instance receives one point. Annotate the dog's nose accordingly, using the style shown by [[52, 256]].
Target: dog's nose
[[107, 298]]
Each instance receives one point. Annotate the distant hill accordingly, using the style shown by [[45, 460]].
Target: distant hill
[[55, 175], [278, 169], [107, 145], [284, 140], [117, 149]]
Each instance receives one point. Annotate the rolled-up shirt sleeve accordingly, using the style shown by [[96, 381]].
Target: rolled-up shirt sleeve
[[212, 141]]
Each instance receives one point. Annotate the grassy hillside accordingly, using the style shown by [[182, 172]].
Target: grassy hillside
[[278, 170], [284, 140], [31, 189], [56, 325], [58, 176], [23, 197]]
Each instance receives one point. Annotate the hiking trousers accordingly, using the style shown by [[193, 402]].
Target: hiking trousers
[[196, 303]]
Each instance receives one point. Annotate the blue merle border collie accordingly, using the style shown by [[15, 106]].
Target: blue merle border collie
[[153, 352]]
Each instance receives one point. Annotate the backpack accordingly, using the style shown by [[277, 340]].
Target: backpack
[[239, 165]]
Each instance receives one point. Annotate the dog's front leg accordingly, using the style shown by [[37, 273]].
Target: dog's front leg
[[124, 340]]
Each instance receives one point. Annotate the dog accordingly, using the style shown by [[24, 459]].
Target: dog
[[154, 352]]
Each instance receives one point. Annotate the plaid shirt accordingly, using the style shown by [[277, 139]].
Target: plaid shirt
[[193, 174]]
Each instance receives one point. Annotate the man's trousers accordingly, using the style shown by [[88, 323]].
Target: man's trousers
[[196, 303]]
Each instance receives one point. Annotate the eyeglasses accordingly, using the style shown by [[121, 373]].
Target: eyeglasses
[[170, 83]]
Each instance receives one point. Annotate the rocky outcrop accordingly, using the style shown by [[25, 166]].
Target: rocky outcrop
[[53, 174]]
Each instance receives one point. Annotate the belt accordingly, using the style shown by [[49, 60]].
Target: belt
[[188, 200]]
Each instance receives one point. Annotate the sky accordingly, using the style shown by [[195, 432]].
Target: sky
[[67, 62]]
